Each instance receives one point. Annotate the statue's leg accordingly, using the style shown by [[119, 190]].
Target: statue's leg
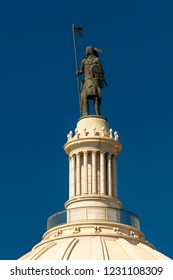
[[84, 105], [97, 105], [84, 101]]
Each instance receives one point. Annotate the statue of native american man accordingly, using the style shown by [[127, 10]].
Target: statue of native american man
[[93, 81]]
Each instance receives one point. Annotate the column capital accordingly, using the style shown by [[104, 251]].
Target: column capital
[[78, 154], [70, 157], [109, 155]]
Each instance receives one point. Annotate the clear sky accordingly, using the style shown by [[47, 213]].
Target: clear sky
[[39, 106]]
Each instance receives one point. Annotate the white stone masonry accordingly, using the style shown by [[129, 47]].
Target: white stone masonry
[[92, 154]]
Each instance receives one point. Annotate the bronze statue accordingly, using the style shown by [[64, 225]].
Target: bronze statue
[[93, 81]]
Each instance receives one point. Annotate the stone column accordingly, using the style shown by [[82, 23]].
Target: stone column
[[109, 174], [114, 176], [78, 174], [85, 163], [72, 177], [94, 174], [102, 172]]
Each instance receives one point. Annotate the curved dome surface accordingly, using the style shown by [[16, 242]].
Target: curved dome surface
[[94, 242], [93, 248]]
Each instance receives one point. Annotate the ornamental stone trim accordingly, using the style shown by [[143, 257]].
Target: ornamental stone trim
[[94, 133], [117, 230], [76, 230], [97, 229]]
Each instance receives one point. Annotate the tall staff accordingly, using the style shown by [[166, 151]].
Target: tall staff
[[78, 30]]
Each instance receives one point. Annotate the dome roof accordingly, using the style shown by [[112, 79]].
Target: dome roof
[[94, 242], [93, 248]]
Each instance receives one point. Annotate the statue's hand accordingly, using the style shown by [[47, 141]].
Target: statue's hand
[[79, 72]]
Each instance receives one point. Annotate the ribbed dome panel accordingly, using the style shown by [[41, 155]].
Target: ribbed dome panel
[[94, 248]]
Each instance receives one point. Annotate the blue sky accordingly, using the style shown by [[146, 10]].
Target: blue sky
[[39, 106]]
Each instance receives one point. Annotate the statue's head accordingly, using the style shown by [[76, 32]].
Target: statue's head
[[94, 51], [89, 50]]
